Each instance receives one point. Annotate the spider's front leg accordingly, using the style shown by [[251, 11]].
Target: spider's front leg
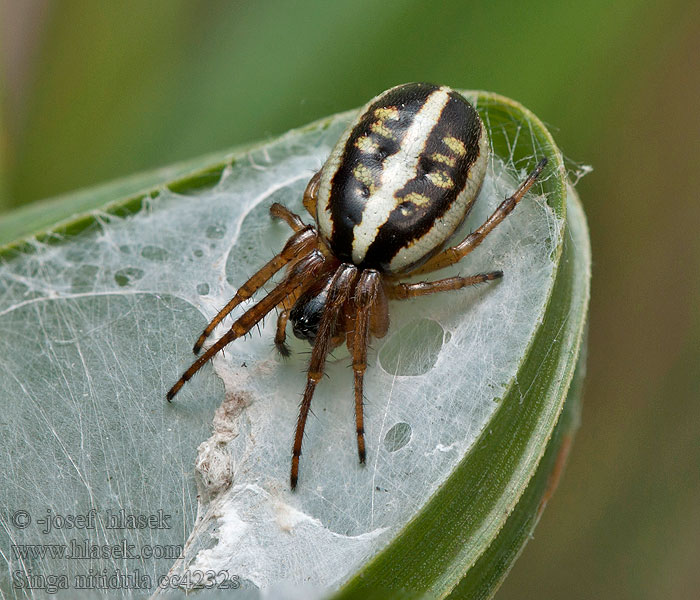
[[451, 255], [300, 244], [302, 272], [338, 293], [369, 299]]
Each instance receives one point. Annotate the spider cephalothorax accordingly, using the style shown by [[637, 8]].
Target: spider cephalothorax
[[397, 185]]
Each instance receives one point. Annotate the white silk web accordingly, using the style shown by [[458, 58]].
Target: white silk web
[[96, 329]]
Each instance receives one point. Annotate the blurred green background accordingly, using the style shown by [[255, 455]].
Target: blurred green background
[[96, 90]]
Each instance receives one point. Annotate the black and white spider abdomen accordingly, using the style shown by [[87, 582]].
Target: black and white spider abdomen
[[402, 178]]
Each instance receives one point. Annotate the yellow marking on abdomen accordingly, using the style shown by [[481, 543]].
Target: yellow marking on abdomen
[[386, 112], [364, 176], [440, 179], [443, 158], [380, 128], [366, 144], [415, 198], [457, 146]]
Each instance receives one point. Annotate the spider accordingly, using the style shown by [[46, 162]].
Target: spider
[[396, 186]]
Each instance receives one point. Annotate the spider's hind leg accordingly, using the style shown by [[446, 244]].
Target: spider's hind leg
[[451, 255], [402, 291]]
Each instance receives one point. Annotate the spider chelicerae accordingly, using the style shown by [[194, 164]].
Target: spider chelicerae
[[399, 182]]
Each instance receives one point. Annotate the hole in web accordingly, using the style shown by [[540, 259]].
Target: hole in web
[[414, 349], [154, 253], [397, 437], [127, 276]]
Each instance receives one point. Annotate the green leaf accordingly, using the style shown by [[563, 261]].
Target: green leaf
[[466, 412]]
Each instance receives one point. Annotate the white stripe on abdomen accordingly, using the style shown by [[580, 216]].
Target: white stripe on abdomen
[[398, 170]]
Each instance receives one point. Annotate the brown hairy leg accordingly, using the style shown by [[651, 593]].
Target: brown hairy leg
[[281, 333], [338, 293], [402, 291], [451, 255], [367, 291], [300, 244], [310, 195], [303, 272], [292, 219]]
